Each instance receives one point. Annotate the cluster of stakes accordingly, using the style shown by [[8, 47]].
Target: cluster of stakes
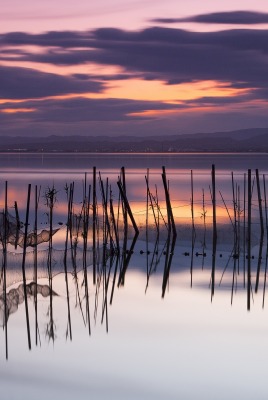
[[101, 238]]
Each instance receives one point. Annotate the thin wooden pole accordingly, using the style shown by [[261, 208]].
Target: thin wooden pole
[[147, 222], [249, 241], [169, 208], [156, 221], [262, 230], [235, 237], [86, 203], [214, 245], [65, 260], [23, 266], [169, 257], [115, 225], [5, 240], [266, 225], [244, 232], [94, 225], [18, 224], [204, 245], [192, 201], [127, 206], [35, 262]]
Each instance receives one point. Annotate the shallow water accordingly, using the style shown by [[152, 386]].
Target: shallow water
[[185, 344]]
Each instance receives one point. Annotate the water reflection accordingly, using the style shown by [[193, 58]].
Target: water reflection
[[97, 231], [14, 297]]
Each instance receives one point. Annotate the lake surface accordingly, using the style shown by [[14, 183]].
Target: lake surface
[[154, 320]]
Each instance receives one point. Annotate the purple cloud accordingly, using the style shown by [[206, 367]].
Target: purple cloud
[[171, 55], [229, 17], [23, 83]]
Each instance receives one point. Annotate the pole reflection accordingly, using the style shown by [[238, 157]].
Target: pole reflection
[[101, 239]]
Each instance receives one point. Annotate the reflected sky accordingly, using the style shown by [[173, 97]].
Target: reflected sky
[[180, 346]]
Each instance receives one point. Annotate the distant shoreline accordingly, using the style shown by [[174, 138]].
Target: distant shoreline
[[235, 142], [21, 152]]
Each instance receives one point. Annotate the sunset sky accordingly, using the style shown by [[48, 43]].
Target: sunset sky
[[132, 67]]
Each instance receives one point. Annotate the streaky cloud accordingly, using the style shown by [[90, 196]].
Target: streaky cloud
[[228, 17], [237, 57], [63, 39], [84, 109], [23, 83]]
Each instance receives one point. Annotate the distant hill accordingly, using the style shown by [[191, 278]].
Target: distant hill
[[243, 140]]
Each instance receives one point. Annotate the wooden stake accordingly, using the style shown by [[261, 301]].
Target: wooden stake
[[262, 230], [249, 241], [23, 266], [5, 240], [214, 244], [94, 225]]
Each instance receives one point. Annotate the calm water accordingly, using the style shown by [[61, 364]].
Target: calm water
[[143, 345]]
